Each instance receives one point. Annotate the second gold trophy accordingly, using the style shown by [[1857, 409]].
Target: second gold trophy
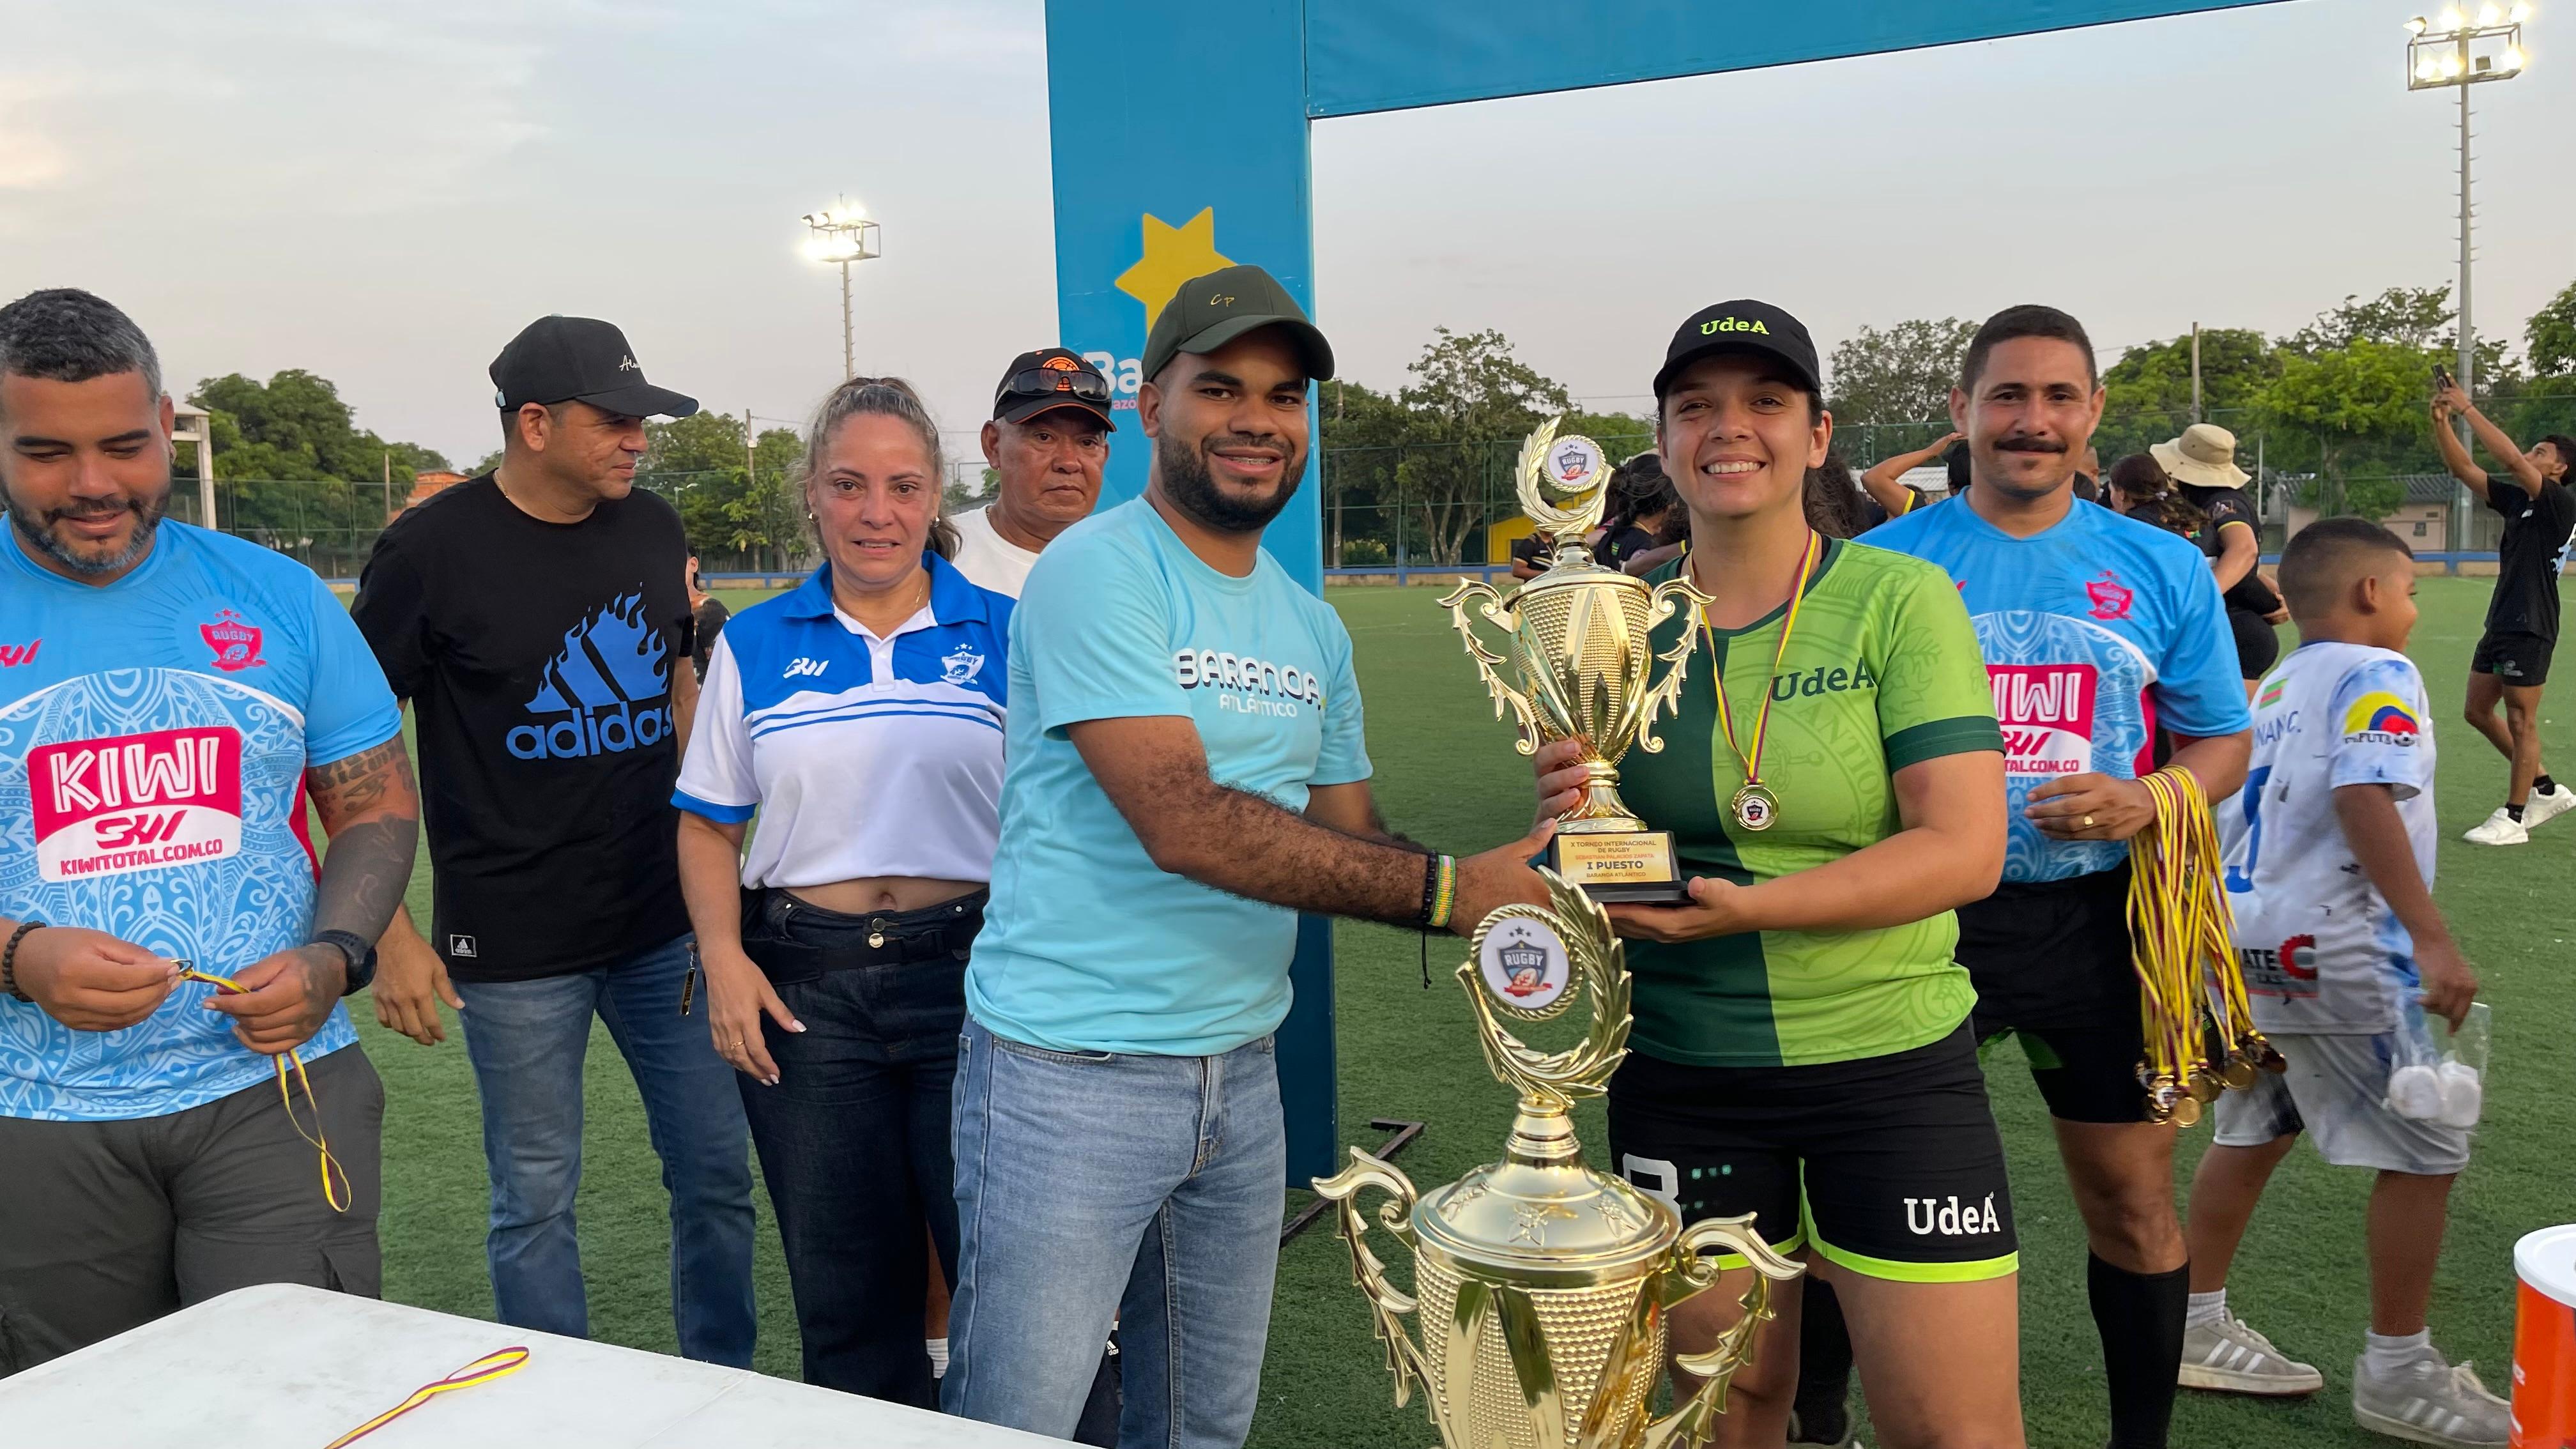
[[1578, 647]]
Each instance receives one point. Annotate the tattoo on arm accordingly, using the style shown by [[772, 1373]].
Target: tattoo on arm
[[371, 812]]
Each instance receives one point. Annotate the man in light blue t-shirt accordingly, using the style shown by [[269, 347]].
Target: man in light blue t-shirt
[[175, 707], [1186, 773]]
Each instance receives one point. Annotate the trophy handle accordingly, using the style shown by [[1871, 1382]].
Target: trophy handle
[[1387, 1305], [1488, 663], [1692, 1424], [1665, 697]]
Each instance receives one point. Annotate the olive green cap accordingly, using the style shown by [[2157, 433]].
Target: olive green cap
[[1209, 312]]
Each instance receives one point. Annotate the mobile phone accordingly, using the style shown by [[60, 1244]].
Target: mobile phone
[[2441, 376]]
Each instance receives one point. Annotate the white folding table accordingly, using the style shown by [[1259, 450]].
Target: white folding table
[[283, 1367]]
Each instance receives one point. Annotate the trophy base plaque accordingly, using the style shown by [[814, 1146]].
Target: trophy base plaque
[[1634, 867]]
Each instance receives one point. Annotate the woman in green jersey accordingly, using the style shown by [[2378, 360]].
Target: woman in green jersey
[[1833, 779]]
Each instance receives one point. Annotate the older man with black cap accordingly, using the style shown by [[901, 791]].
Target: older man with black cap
[[538, 616], [1185, 773], [1046, 443]]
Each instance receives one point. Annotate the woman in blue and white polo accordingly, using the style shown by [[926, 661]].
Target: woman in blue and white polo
[[860, 717]]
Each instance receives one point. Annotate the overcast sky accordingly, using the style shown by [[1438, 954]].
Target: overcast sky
[[383, 194]]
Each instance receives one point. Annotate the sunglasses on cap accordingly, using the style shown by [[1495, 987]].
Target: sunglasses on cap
[[1043, 381]]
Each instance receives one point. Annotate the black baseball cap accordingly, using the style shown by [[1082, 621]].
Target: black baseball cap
[[580, 359], [1741, 326], [1048, 379], [1209, 312]]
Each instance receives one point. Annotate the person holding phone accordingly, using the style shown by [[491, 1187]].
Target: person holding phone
[[2512, 659]]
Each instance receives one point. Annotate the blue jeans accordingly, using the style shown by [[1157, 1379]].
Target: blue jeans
[[854, 1138], [526, 1040], [1093, 1185]]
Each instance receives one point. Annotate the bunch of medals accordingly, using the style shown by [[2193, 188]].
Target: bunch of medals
[[2191, 987]]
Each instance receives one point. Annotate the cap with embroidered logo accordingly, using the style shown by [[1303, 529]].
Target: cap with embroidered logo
[[1209, 312], [580, 359], [1741, 326]]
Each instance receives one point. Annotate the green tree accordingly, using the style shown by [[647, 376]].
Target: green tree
[[1471, 402], [1365, 433], [2147, 393], [2361, 406], [1899, 374], [736, 505], [2549, 338], [304, 472]]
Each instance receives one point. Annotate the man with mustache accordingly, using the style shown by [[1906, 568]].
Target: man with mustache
[[1186, 773], [1047, 442], [2099, 632], [170, 699]]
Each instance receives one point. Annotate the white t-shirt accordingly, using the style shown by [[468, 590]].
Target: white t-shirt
[[987, 558], [861, 756], [2323, 953]]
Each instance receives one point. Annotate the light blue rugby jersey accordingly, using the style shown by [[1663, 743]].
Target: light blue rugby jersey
[[862, 756], [2096, 631], [154, 735]]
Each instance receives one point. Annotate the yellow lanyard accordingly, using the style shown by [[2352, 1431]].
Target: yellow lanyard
[[1754, 804], [496, 1365], [335, 1182]]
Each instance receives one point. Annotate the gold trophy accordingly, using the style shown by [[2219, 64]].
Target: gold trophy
[[1542, 1287], [1579, 646]]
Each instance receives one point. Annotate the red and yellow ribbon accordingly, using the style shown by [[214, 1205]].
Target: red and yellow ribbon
[[1752, 762], [496, 1365], [2191, 984], [335, 1181]]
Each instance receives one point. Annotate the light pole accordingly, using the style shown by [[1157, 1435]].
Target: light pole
[[2463, 52], [842, 233]]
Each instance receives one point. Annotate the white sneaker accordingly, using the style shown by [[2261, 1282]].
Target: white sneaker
[[2547, 807], [2228, 1357], [2429, 1402], [2499, 829]]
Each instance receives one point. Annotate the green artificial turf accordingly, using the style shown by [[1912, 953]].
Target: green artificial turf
[[1446, 774]]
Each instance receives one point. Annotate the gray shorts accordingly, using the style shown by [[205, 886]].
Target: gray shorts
[[2336, 1091], [108, 1225]]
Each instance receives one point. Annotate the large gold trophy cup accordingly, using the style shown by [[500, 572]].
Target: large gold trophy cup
[[1541, 1286], [1579, 648]]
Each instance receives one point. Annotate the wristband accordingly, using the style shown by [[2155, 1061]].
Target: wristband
[[9, 962], [1444, 894]]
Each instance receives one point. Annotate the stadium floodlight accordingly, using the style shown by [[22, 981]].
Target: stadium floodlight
[[2462, 54], [840, 234]]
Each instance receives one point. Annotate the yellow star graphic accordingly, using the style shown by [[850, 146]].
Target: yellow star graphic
[[1173, 255]]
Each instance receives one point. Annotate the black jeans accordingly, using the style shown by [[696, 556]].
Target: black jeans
[[853, 1140]]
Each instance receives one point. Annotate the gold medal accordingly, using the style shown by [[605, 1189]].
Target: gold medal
[[1754, 806]]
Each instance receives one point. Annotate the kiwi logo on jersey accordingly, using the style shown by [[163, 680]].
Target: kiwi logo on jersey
[[2381, 718], [1821, 681]]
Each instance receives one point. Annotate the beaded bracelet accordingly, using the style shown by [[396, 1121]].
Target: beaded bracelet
[[9, 961]]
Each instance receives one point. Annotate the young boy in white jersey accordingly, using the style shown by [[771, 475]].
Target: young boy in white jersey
[[2329, 869]]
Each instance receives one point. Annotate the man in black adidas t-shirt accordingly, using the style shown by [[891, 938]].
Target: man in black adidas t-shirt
[[2512, 659], [537, 621]]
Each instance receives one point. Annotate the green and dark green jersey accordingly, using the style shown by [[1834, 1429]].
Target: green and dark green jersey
[[1882, 672]]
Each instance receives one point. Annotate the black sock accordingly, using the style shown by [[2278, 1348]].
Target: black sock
[[2515, 811], [1823, 1404], [2545, 785], [2140, 1316]]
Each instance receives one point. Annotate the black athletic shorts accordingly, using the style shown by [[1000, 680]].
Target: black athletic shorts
[[2050, 960], [2517, 659], [1887, 1166], [2258, 645]]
